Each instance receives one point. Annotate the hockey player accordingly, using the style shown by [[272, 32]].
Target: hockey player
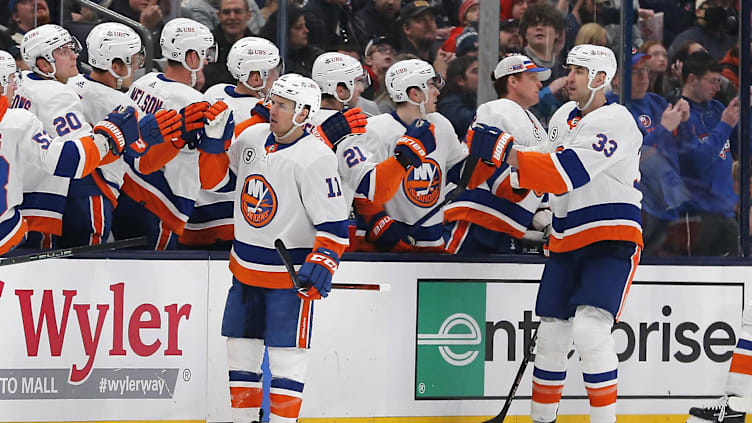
[[492, 217], [288, 188], [255, 63], [58, 206], [342, 78], [596, 239], [734, 406], [115, 53], [161, 187], [28, 155], [414, 86]]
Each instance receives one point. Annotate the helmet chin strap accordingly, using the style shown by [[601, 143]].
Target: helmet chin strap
[[592, 96], [118, 78], [421, 105], [295, 125]]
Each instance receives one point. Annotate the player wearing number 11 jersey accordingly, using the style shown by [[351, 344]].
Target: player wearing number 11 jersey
[[596, 238]]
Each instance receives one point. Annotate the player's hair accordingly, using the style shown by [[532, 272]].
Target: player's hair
[[543, 12]]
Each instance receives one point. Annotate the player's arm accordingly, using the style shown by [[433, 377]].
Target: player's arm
[[214, 162], [320, 190]]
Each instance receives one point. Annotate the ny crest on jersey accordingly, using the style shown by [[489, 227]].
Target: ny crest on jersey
[[249, 155], [422, 185], [258, 202]]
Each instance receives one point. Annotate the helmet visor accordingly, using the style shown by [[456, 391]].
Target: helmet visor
[[212, 53]]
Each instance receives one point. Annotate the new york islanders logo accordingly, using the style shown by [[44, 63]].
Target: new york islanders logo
[[645, 121], [258, 202], [422, 185]]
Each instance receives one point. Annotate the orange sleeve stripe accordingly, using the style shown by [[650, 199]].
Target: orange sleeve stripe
[[537, 171], [389, 175], [242, 126], [45, 225], [457, 236], [601, 397], [593, 235], [212, 169], [545, 394], [16, 238], [207, 236], [330, 244], [153, 204], [482, 219], [277, 280], [635, 263], [366, 209], [741, 364], [108, 158], [284, 405], [482, 172], [91, 153], [157, 156], [244, 397], [106, 190], [505, 191]]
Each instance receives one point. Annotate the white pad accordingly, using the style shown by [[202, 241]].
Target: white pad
[[245, 354], [553, 344], [288, 363], [593, 340]]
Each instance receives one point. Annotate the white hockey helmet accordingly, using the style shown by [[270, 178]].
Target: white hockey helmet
[[42, 41], [596, 59], [253, 54], [411, 73], [109, 41], [331, 69], [7, 68], [303, 91], [181, 35]]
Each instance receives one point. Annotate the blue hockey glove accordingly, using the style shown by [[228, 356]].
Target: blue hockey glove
[[489, 143], [384, 232], [316, 273], [120, 127], [341, 124]]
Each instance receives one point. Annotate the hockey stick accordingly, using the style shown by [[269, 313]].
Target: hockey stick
[[67, 252], [499, 418], [470, 163], [284, 254]]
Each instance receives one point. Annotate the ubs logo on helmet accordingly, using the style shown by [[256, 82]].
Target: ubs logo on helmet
[[422, 185], [258, 202]]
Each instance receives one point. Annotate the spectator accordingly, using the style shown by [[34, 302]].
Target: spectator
[[379, 56], [379, 17], [467, 45], [673, 86], [510, 40], [512, 9], [601, 12], [233, 25], [730, 73], [592, 33], [705, 162], [418, 20], [678, 15], [22, 17], [300, 53], [152, 14], [709, 30], [541, 26], [324, 18], [658, 63], [468, 13], [662, 191], [207, 12], [458, 99]]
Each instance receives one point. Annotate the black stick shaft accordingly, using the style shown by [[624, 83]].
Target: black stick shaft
[[68, 252], [499, 418]]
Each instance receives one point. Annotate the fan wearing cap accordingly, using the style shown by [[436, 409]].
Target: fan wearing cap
[[418, 18], [658, 121], [492, 217], [596, 236], [468, 14], [23, 18], [379, 56], [510, 40]]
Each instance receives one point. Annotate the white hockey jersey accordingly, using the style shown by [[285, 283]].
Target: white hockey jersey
[[171, 191], [98, 101], [493, 204], [211, 220], [286, 191], [27, 151], [423, 187], [592, 176], [60, 110]]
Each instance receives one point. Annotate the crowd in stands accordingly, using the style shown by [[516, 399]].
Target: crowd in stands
[[685, 80]]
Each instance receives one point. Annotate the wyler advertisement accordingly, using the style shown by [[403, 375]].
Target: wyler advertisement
[[129, 331], [671, 340]]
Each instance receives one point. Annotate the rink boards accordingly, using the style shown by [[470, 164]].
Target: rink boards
[[130, 340]]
